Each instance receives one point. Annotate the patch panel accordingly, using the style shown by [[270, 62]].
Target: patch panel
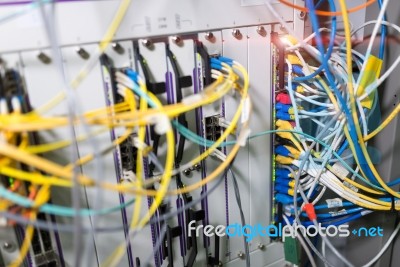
[[128, 154], [213, 128], [185, 112]]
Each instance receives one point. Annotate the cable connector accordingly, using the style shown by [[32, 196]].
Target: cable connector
[[284, 116], [224, 122], [3, 107], [161, 123], [309, 209], [285, 182], [216, 66], [226, 60], [283, 189], [293, 59], [300, 89], [283, 198], [133, 75], [284, 125], [283, 151], [283, 160], [283, 98], [298, 69], [128, 176], [286, 108], [283, 107], [284, 135], [16, 104], [284, 173], [242, 138], [218, 154], [293, 152]]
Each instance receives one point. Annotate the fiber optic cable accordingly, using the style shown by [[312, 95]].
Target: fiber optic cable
[[234, 150], [43, 196], [328, 53], [351, 93], [115, 257], [329, 13], [105, 41]]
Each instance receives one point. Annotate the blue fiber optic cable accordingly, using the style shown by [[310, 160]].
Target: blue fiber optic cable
[[329, 51], [383, 34], [204, 142], [362, 161], [335, 215], [319, 3]]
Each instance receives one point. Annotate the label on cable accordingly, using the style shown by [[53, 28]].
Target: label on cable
[[369, 76], [334, 202], [350, 186], [339, 170], [338, 213], [246, 110]]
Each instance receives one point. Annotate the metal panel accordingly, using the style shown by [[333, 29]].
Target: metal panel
[[145, 18], [89, 96], [44, 81], [237, 48], [259, 68], [216, 203], [9, 245], [184, 52], [151, 19]]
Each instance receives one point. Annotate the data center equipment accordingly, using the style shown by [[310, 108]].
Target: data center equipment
[[199, 133]]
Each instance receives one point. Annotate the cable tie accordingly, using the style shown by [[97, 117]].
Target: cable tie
[[242, 140]]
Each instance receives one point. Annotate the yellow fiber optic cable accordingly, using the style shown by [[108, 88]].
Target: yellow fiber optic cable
[[42, 197], [386, 122], [39, 163], [33, 122], [116, 256], [47, 147], [62, 172], [353, 104], [346, 130], [35, 178], [128, 188], [139, 161], [107, 38]]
